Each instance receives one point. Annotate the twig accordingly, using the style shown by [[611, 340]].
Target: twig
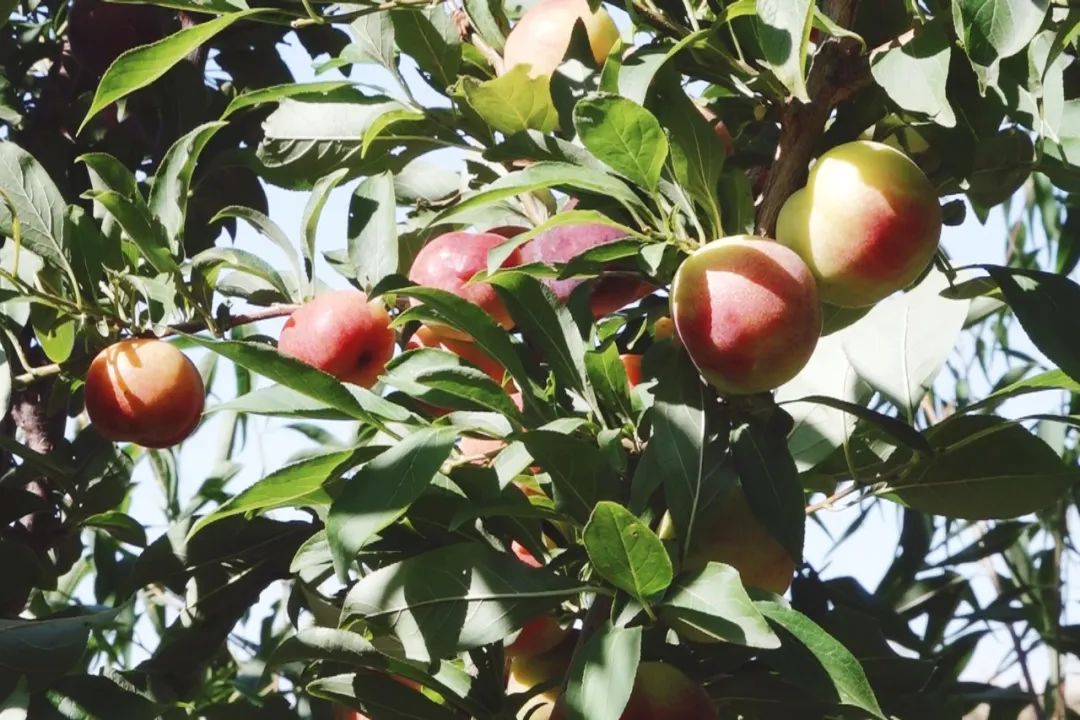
[[828, 502]]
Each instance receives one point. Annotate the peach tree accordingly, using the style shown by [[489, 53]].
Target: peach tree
[[637, 316]]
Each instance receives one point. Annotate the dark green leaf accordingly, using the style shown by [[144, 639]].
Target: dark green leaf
[[602, 678], [624, 135], [771, 482], [625, 552], [714, 603]]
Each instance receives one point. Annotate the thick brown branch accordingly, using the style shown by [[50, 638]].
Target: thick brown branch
[[838, 71]]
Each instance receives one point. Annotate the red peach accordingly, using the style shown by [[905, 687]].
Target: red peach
[[538, 636], [341, 333], [450, 261], [144, 391], [541, 39], [632, 364], [563, 243], [746, 310]]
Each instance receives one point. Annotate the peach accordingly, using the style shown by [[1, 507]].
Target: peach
[[341, 333], [746, 309], [528, 671], [542, 37], [662, 692], [632, 364], [664, 328], [450, 261], [473, 446], [730, 533], [467, 350], [144, 391], [537, 637], [563, 243], [867, 223]]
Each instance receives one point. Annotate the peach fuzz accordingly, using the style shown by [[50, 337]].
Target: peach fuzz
[[450, 261], [341, 333], [867, 223], [563, 243], [541, 39], [144, 391], [746, 310]]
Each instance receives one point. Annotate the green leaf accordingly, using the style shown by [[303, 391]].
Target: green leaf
[[626, 552], [98, 697], [5, 382], [137, 68], [991, 30], [45, 649], [383, 489], [209, 263], [455, 598], [984, 467], [624, 135], [372, 232], [298, 484], [579, 471], [27, 191], [54, 330], [432, 39], [545, 175], [771, 482], [601, 680], [122, 527], [1049, 380], [442, 379], [276, 93], [914, 74], [172, 183], [380, 696], [783, 31], [901, 345], [268, 362], [1043, 303], [898, 430], [269, 229], [513, 102], [714, 603], [1002, 164], [313, 213], [142, 228], [607, 375], [843, 672]]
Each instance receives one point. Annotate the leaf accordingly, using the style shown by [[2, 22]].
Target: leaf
[[143, 229], [513, 102], [625, 552], [432, 39], [545, 175], [624, 135], [1043, 303], [579, 471], [298, 484], [984, 467], [122, 527], [372, 232], [846, 675], [55, 331], [1002, 164], [1049, 380], [172, 183], [547, 324], [783, 31], [268, 228], [383, 489], [600, 681], [35, 201], [209, 263], [607, 375], [891, 427], [276, 93], [901, 345], [5, 382], [141, 66], [914, 74], [378, 695], [44, 649], [714, 603], [98, 697], [313, 213], [441, 379], [990, 30], [455, 598], [268, 362], [771, 482]]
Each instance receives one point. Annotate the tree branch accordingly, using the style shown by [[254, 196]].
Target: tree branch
[[839, 70]]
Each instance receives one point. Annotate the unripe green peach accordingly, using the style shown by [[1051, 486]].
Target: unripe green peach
[[144, 391], [867, 223], [746, 309], [542, 37], [341, 333]]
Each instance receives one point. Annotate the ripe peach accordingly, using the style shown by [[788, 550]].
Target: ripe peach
[[341, 333], [524, 555], [450, 261], [144, 391], [632, 363], [528, 671], [730, 533], [662, 692], [538, 636], [542, 37], [747, 311], [563, 243], [867, 223], [464, 349]]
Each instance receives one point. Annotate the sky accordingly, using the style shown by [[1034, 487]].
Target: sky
[[270, 443]]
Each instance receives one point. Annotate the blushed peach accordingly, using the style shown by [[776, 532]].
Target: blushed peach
[[541, 39]]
